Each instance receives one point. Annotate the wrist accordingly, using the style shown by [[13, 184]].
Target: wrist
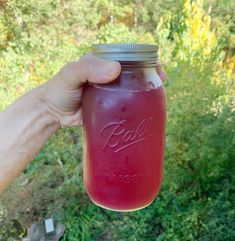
[[49, 115], [25, 126], [62, 105]]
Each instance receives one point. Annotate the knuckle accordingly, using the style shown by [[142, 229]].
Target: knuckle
[[68, 66], [87, 64], [86, 59]]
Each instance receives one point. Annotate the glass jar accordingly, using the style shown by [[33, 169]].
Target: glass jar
[[124, 130]]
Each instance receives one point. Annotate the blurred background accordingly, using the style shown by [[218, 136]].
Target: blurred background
[[197, 50]]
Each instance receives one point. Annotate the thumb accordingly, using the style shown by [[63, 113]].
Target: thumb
[[89, 68]]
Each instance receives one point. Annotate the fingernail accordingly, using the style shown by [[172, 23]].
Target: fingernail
[[162, 75]]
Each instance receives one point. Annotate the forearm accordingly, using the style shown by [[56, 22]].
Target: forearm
[[25, 126]]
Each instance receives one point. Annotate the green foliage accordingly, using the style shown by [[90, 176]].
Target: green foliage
[[10, 229], [203, 145], [196, 40], [116, 33]]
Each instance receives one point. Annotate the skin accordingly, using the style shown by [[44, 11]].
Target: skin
[[28, 123]]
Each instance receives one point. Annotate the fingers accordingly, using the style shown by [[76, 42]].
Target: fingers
[[94, 70], [89, 68], [161, 73]]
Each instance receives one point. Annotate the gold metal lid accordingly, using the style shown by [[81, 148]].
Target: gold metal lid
[[124, 53]]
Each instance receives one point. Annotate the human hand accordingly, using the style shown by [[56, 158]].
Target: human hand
[[62, 94]]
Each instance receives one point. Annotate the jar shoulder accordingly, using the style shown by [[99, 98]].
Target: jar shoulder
[[136, 79]]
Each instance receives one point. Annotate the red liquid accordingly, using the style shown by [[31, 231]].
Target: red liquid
[[123, 146]]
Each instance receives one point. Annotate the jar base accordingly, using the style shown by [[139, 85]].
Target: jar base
[[120, 210]]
